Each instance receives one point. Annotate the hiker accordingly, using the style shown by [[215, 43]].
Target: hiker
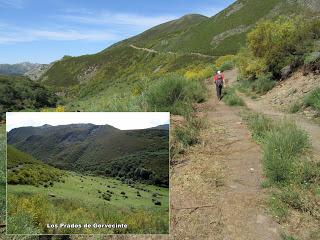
[[219, 81]]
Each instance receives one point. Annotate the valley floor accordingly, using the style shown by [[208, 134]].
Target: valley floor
[[81, 199]]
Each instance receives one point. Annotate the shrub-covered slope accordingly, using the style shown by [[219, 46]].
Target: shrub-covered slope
[[105, 150], [173, 48], [24, 169], [20, 93]]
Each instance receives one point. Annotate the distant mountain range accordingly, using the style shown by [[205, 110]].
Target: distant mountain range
[[103, 150], [32, 70], [17, 69]]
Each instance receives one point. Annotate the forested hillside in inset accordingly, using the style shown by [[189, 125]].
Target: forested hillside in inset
[[24, 169], [129, 155]]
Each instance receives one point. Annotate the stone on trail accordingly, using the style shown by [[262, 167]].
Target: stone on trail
[[286, 72]]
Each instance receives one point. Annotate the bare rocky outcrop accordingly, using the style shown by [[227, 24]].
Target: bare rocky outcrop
[[38, 71], [216, 40], [312, 5], [88, 73], [286, 72], [234, 8]]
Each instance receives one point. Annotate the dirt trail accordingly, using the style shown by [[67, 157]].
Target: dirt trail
[[215, 191], [174, 53], [311, 128]]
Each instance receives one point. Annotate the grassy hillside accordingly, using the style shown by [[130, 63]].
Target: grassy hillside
[[92, 82], [88, 199], [25, 170], [160, 35], [120, 60], [225, 33], [39, 194], [20, 93], [134, 154]]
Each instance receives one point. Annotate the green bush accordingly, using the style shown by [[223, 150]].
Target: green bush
[[295, 107], [283, 145], [175, 94], [263, 84], [307, 173], [186, 136], [296, 177], [259, 125], [311, 57], [274, 44], [20, 93], [292, 197], [22, 223], [231, 98], [313, 99], [287, 237], [127, 104], [228, 65], [260, 85], [278, 208], [277, 41]]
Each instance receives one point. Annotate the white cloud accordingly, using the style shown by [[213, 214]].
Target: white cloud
[[12, 3], [77, 24], [105, 18], [15, 35], [123, 121], [73, 35]]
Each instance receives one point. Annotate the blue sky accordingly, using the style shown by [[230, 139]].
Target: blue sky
[[45, 30]]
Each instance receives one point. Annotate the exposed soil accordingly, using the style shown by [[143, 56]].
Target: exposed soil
[[291, 90]]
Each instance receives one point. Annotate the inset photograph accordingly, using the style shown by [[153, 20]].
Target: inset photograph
[[87, 173]]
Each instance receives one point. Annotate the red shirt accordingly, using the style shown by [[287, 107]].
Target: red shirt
[[216, 77]]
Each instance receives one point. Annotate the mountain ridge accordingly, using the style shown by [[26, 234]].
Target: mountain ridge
[[162, 126], [18, 68], [102, 150]]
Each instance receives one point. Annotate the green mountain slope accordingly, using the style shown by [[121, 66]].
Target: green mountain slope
[[20, 93], [159, 35], [122, 63], [171, 47], [225, 32], [132, 154], [24, 169]]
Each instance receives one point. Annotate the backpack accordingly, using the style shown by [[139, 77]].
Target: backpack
[[219, 81]]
